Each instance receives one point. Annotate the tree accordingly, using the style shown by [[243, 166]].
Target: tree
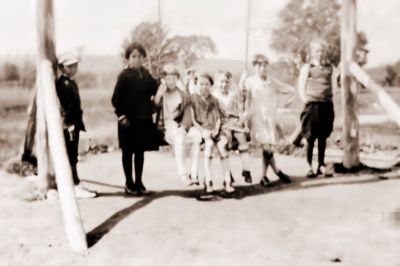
[[304, 20], [161, 49]]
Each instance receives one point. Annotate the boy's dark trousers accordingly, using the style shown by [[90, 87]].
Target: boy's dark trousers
[[72, 152]]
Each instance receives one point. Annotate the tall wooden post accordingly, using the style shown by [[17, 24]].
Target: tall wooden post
[[248, 13], [48, 98], [349, 89]]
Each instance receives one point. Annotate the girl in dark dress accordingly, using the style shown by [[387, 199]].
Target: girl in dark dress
[[316, 91], [132, 100]]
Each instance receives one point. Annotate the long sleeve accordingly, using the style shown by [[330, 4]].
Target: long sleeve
[[118, 95], [65, 97]]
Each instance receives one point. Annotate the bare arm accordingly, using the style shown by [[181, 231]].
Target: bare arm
[[302, 82]]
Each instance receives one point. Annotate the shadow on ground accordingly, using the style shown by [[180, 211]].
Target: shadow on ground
[[241, 192]]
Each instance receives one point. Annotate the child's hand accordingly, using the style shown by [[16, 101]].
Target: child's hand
[[162, 88], [124, 123], [71, 133]]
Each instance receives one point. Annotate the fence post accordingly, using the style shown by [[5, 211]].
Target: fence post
[[46, 90], [350, 136]]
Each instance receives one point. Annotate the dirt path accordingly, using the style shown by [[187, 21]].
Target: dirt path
[[306, 223]]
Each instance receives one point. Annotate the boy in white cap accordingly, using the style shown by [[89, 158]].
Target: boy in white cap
[[71, 112]]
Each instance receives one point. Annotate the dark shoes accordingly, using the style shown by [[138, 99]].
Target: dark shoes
[[284, 177], [311, 174], [264, 181], [194, 181], [247, 176], [137, 189]]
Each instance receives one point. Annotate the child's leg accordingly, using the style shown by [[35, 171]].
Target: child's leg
[[194, 137], [208, 148], [139, 161], [127, 166], [297, 136], [270, 160], [243, 150], [321, 151], [224, 159], [310, 148], [179, 150]]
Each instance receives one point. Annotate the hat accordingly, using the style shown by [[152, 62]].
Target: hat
[[68, 58]]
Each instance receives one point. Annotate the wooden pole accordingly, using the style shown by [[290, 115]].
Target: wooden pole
[[349, 89], [46, 90], [41, 143], [247, 34], [391, 107]]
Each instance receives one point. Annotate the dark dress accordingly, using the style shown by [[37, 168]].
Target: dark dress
[[132, 98], [318, 115], [71, 112]]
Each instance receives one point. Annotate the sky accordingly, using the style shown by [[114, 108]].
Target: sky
[[100, 26]]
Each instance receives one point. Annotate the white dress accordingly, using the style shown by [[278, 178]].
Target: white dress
[[265, 97]]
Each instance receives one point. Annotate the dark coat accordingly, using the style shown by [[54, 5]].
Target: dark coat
[[132, 97], [70, 101]]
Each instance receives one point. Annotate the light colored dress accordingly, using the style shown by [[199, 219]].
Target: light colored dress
[[265, 97]]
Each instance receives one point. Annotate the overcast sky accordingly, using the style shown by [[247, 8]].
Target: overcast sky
[[101, 25]]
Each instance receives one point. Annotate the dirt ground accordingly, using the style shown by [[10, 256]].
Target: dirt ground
[[345, 220]]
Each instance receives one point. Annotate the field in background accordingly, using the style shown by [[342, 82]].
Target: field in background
[[101, 121]]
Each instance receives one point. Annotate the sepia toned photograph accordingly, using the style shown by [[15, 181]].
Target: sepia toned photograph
[[200, 132]]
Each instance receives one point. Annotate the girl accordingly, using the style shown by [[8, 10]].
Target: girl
[[71, 112], [207, 118], [132, 100], [232, 106], [262, 101], [178, 123], [315, 89]]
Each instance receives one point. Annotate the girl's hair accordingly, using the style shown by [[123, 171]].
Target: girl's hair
[[324, 45], [258, 58], [135, 46], [170, 69], [203, 75], [227, 74]]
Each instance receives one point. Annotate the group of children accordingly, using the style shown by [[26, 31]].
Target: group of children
[[207, 111]]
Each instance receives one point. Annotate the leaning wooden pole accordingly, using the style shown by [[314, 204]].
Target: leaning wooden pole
[[46, 89], [350, 136], [387, 102]]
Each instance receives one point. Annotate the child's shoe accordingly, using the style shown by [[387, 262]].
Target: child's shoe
[[194, 181], [284, 177], [247, 176], [209, 187], [311, 174], [84, 193], [323, 170], [264, 181]]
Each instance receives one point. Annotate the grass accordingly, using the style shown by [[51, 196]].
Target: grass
[[102, 126]]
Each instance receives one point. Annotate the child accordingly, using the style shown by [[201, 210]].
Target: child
[[262, 101], [71, 112], [132, 100], [232, 106], [207, 116], [178, 123], [315, 89]]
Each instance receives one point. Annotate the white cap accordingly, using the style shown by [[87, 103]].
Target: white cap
[[68, 58]]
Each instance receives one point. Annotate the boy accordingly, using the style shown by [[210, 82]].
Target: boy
[[71, 113], [207, 118], [232, 129], [178, 123]]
